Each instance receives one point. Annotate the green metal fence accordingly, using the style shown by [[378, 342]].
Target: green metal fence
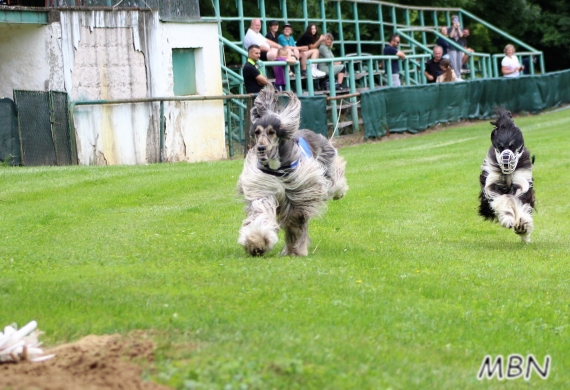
[[357, 36]]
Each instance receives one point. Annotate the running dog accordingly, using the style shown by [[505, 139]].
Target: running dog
[[507, 192], [287, 177]]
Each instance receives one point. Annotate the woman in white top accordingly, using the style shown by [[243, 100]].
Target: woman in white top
[[510, 65]]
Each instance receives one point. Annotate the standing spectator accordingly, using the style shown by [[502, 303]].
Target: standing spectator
[[448, 73], [526, 64], [253, 37], [510, 65], [442, 42], [310, 40], [392, 50], [273, 29], [464, 44], [455, 34], [283, 54], [325, 51], [253, 79], [433, 70]]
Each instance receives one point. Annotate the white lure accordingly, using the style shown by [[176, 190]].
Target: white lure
[[21, 344]]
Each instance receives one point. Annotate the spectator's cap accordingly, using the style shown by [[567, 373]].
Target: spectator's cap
[[273, 23], [287, 25]]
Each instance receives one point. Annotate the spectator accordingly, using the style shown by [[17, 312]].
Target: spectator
[[309, 41], [433, 70], [273, 29], [448, 74], [526, 64], [510, 65], [253, 37], [455, 34], [253, 79], [286, 40], [325, 51], [392, 50], [283, 54], [443, 43], [465, 57]]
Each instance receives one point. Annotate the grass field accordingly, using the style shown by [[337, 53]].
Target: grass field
[[405, 286]]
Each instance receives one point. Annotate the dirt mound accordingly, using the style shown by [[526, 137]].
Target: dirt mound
[[92, 363]]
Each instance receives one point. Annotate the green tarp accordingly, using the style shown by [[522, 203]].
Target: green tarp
[[314, 114], [415, 108]]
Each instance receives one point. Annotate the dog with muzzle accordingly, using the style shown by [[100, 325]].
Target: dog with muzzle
[[507, 192], [287, 177]]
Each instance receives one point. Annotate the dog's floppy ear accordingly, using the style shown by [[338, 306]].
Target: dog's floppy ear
[[290, 116], [264, 103]]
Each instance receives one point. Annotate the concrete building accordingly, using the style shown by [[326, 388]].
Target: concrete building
[[107, 53]]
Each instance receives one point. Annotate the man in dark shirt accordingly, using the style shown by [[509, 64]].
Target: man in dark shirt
[[273, 29], [253, 79], [392, 50], [432, 66]]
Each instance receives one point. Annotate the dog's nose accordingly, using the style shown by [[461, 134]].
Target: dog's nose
[[261, 148]]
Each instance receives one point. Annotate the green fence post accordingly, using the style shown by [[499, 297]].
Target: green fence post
[[340, 30], [356, 28], [381, 20], [323, 14]]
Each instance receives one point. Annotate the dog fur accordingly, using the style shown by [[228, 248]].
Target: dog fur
[[282, 187], [507, 194]]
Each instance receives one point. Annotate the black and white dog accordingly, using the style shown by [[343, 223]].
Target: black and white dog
[[287, 177], [507, 193]]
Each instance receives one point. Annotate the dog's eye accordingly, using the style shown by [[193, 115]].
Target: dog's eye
[[257, 132], [271, 132]]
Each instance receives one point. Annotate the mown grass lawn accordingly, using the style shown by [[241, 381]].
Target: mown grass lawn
[[405, 286]]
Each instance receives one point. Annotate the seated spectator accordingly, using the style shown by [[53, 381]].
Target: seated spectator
[[253, 79], [253, 37], [273, 29], [392, 50], [465, 57], [283, 54], [510, 65], [308, 45], [433, 70], [325, 51], [286, 40], [448, 74], [443, 43]]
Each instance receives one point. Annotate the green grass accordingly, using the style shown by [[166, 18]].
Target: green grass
[[405, 286]]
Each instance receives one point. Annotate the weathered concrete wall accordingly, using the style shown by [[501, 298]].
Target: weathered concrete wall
[[128, 54], [194, 130], [107, 56], [31, 58]]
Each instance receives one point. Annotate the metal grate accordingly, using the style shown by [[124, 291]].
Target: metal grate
[[9, 140], [60, 127], [43, 128], [35, 128]]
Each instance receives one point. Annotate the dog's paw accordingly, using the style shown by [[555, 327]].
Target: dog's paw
[[257, 243]]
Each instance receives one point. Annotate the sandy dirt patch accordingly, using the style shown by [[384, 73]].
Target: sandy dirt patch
[[92, 363]]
